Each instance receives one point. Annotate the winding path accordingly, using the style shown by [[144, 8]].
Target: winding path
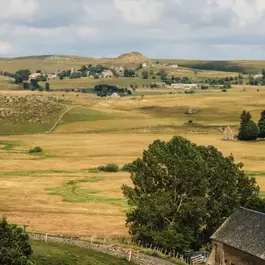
[[61, 117]]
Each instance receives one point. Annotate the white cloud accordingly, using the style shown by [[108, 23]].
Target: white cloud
[[158, 28], [18, 10], [5, 48], [140, 12]]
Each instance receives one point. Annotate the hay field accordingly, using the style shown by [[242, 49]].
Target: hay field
[[59, 192]]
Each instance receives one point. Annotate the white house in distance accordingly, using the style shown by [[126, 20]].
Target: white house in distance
[[106, 74], [52, 76], [258, 76], [184, 86], [173, 66], [34, 75]]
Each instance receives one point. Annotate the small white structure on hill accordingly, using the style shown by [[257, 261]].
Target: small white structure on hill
[[114, 95], [106, 74], [228, 134], [258, 76], [173, 66], [185, 86], [35, 75]]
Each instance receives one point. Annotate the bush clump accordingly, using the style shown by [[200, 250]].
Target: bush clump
[[109, 168], [36, 149], [127, 167]]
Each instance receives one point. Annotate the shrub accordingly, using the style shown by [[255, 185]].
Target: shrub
[[203, 87], [127, 167], [36, 149], [190, 91], [109, 168], [224, 90], [112, 168]]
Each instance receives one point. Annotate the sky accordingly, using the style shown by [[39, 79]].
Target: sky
[[181, 29]]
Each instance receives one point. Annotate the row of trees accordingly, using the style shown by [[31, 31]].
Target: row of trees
[[19, 76], [249, 129], [34, 85], [104, 90]]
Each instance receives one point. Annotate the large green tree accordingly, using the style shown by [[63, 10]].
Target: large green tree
[[182, 192], [14, 245], [262, 125], [249, 130]]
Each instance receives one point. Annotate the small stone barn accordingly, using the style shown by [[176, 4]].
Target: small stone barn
[[240, 240], [228, 134]]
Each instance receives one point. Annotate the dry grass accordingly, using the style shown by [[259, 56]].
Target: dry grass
[[28, 181], [46, 63], [7, 83], [180, 72]]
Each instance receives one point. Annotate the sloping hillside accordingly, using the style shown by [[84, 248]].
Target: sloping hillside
[[242, 66], [46, 63], [28, 114]]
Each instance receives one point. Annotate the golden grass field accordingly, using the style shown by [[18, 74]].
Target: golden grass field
[[58, 192]]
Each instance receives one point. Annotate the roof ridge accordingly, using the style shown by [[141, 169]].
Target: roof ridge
[[250, 210]]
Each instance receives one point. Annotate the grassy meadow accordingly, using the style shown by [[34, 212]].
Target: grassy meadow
[[54, 254], [60, 192]]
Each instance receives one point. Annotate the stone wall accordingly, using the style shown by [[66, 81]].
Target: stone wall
[[114, 250], [237, 257], [225, 255]]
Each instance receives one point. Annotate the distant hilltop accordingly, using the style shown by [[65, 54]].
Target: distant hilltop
[[133, 57]]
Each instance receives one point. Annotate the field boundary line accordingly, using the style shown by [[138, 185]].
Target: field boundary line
[[113, 250]]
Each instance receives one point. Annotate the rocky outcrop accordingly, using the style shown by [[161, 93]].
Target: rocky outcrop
[[32, 109]]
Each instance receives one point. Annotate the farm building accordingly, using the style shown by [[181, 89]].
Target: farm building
[[173, 66], [228, 134], [240, 240], [106, 74], [185, 86], [35, 75], [258, 76]]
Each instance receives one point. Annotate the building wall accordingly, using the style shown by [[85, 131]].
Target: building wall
[[225, 255], [237, 257]]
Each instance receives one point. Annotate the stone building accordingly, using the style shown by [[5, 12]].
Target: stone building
[[240, 240], [228, 134]]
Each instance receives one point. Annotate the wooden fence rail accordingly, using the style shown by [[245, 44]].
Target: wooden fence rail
[[114, 250]]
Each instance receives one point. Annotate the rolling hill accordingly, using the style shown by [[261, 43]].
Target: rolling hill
[[242, 66], [55, 63]]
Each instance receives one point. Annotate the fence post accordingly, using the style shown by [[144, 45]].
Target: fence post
[[46, 238], [130, 255]]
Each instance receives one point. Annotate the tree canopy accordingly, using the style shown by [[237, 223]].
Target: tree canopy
[[14, 245], [182, 193], [249, 130], [262, 125]]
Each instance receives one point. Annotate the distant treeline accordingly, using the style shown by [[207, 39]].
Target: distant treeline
[[224, 66], [104, 90], [19, 76]]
